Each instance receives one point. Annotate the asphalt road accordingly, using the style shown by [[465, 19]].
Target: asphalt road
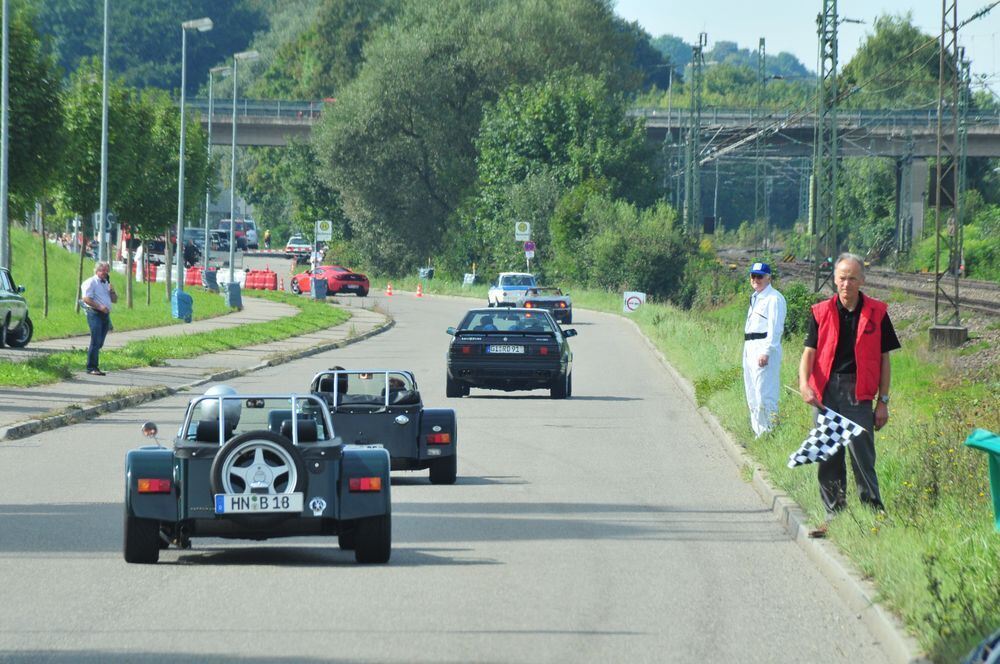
[[609, 527]]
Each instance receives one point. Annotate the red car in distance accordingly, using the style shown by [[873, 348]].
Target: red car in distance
[[338, 280]]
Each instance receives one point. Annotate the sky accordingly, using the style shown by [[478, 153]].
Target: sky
[[790, 25]]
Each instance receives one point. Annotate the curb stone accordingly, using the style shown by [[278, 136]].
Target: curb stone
[[859, 594], [39, 425]]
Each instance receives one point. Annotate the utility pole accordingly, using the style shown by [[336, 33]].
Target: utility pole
[[692, 171], [947, 329], [759, 168], [826, 147]]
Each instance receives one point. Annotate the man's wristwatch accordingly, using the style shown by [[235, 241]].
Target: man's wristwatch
[[884, 399]]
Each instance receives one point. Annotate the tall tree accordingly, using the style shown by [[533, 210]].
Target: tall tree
[[896, 66], [327, 55], [570, 127], [145, 44], [35, 113], [399, 144]]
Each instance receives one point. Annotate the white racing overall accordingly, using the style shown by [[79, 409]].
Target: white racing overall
[[762, 333]]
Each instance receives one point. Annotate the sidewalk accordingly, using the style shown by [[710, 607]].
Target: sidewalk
[[26, 411], [255, 310]]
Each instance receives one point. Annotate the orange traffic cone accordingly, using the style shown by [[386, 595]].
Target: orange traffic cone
[[388, 289], [420, 290]]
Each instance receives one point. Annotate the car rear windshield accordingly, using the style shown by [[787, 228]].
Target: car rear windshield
[[517, 280], [506, 321]]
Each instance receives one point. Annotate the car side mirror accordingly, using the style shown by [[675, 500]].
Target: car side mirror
[[149, 429], [451, 331], [20, 289], [569, 333]]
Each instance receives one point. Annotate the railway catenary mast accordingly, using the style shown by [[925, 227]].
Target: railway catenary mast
[[947, 329], [825, 146], [692, 157]]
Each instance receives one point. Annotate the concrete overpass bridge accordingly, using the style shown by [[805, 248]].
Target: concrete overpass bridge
[[862, 133], [907, 136]]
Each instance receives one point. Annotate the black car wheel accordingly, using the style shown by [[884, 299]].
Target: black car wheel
[[258, 461], [142, 540], [363, 293], [454, 389], [445, 470], [373, 539], [560, 387], [569, 386], [295, 287], [20, 337]]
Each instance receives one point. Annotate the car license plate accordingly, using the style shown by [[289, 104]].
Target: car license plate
[[352, 285], [257, 503], [505, 349]]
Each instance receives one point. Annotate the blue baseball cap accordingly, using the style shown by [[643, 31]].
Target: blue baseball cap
[[760, 268]]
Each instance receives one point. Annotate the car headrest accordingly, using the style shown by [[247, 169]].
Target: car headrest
[[404, 397], [208, 432], [307, 430]]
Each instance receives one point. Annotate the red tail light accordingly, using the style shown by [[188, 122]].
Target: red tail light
[[562, 305], [528, 305], [439, 438], [365, 483], [153, 486], [466, 350], [544, 350]]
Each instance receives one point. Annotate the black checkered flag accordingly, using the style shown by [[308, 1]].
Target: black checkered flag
[[832, 431]]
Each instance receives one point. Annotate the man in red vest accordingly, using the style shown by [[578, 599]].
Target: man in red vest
[[845, 367]]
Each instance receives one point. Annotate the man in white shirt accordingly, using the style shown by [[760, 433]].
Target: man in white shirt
[[98, 295], [762, 332]]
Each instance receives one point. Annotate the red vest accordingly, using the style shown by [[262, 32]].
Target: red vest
[[867, 346]]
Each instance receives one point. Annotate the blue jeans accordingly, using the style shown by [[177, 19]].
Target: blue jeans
[[99, 324]]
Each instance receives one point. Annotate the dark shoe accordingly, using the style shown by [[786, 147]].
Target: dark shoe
[[96, 372], [818, 533]]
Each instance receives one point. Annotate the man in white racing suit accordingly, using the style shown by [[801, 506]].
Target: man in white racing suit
[[762, 332]]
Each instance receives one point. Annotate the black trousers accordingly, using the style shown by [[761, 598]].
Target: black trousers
[[839, 395]]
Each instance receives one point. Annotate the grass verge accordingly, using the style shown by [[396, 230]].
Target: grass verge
[[63, 320], [313, 315], [934, 556]]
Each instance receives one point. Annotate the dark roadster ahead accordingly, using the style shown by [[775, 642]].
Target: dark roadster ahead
[[510, 349], [256, 467], [384, 407]]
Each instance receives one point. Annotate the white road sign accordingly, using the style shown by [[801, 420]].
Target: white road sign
[[632, 300], [522, 231], [324, 229]]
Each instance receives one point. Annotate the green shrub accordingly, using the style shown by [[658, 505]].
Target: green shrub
[[799, 300]]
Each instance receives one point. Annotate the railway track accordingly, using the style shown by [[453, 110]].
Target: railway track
[[979, 296]]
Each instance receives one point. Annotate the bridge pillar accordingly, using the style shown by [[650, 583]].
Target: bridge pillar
[[911, 191]]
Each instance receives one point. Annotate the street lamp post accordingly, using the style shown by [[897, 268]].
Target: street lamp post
[[4, 100], [208, 190], [103, 211], [244, 55], [201, 25]]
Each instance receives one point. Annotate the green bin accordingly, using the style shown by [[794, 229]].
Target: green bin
[[989, 442]]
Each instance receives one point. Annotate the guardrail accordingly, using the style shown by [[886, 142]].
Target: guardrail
[[736, 116], [262, 108], [861, 118]]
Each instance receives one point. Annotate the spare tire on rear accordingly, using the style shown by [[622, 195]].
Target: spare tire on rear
[[258, 462]]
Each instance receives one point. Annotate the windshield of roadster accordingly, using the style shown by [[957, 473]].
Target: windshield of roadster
[[241, 414], [369, 387]]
